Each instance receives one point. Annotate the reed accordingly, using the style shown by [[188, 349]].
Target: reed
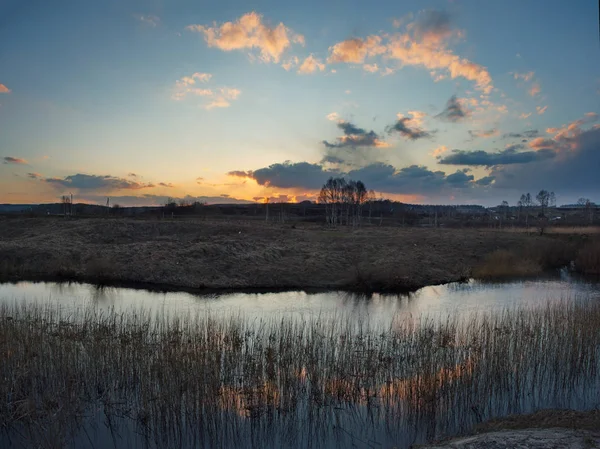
[[70, 378]]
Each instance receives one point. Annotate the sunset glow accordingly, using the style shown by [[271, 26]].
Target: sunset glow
[[444, 101]]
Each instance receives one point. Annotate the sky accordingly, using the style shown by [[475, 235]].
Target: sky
[[436, 102]]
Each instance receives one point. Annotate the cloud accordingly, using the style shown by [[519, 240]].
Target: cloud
[[505, 157], [439, 151], [356, 137], [292, 62], [540, 110], [524, 76], [486, 134], [34, 175], [415, 179], [529, 134], [455, 111], [423, 44], [219, 97], [574, 170], [525, 116], [166, 184], [311, 65], [517, 146], [250, 32], [333, 116], [240, 174], [331, 159], [485, 181], [148, 19], [528, 77], [355, 50], [288, 175], [191, 80], [14, 160], [410, 126], [534, 90], [96, 182], [4, 89], [371, 68], [380, 176]]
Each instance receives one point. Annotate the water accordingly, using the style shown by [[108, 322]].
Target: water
[[459, 403], [440, 301]]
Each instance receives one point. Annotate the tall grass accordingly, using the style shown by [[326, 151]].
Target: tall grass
[[71, 379]]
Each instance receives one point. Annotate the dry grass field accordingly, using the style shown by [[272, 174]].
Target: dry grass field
[[254, 255]]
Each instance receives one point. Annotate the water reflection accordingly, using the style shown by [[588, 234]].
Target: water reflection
[[439, 300]]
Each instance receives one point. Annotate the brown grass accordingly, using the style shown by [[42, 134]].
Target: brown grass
[[588, 258], [229, 254], [502, 264], [532, 258]]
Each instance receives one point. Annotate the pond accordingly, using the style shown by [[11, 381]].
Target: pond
[[290, 369]]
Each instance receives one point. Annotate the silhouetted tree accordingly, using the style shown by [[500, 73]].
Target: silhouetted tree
[[543, 198]]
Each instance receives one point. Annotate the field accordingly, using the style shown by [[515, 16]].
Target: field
[[206, 381], [230, 254]]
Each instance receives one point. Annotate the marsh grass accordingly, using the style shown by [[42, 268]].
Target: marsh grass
[[588, 258], [69, 378]]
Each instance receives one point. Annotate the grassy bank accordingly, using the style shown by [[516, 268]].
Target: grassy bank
[[245, 255], [210, 381]]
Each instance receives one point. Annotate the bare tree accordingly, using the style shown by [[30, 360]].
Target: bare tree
[[343, 201], [543, 199], [525, 203]]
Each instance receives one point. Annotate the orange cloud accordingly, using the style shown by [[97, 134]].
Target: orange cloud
[[524, 116], [540, 110], [439, 151], [190, 80], [292, 62], [249, 31], [371, 68], [356, 50], [424, 44], [4, 89], [311, 65], [535, 90]]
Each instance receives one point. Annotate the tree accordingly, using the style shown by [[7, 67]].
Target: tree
[[343, 201], [504, 207], [543, 198], [526, 202]]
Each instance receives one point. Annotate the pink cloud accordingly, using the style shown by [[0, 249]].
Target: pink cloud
[[540, 110], [248, 32], [371, 68], [311, 65], [4, 89]]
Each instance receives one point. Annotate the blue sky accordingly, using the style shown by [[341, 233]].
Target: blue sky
[[441, 101]]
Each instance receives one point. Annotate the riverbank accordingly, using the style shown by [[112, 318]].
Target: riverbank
[[246, 255]]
